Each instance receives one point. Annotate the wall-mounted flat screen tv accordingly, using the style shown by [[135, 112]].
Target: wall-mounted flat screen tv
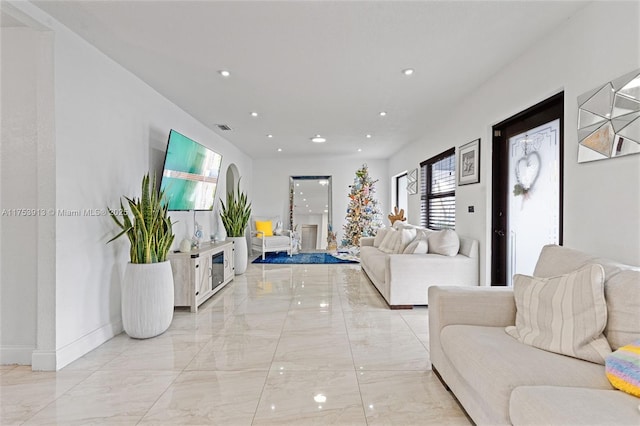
[[190, 175]]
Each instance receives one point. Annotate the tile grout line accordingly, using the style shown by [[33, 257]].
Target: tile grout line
[[55, 399], [184, 368], [266, 378], [355, 370]]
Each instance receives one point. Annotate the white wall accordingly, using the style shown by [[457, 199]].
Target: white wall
[[601, 199], [271, 184], [19, 191], [111, 128]]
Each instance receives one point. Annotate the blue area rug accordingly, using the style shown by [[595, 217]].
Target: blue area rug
[[282, 258]]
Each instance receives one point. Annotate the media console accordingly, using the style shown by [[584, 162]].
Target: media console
[[201, 273]]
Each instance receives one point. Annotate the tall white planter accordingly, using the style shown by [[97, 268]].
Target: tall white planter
[[147, 299], [240, 254]]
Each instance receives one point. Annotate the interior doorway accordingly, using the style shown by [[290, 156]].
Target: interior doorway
[[527, 188], [232, 178], [309, 237]]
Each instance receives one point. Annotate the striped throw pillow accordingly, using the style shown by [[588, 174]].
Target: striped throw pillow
[[623, 368], [564, 314]]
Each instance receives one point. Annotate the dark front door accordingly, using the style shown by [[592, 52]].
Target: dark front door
[[527, 188]]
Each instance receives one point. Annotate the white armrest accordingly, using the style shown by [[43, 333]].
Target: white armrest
[[486, 306], [366, 241], [483, 306]]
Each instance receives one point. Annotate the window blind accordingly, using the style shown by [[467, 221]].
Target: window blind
[[438, 191]]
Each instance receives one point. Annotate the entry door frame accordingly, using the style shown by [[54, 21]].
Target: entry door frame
[[548, 110]]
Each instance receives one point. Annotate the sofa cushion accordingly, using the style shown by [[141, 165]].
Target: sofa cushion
[[622, 292], [493, 364], [623, 368], [553, 405], [271, 242], [445, 242], [557, 260], [564, 314]]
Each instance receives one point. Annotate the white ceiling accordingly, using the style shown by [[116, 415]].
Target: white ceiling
[[311, 67]]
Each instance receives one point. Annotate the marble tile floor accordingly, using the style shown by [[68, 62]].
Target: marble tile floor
[[281, 344]]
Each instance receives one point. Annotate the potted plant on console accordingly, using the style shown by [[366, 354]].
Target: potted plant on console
[[147, 290], [235, 217]]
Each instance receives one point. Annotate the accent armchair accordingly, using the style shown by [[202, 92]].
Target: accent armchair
[[267, 235]]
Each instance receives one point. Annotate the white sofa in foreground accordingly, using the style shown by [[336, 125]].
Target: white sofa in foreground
[[403, 279], [499, 380]]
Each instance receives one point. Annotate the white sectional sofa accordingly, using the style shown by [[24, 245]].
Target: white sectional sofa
[[500, 381], [403, 279]]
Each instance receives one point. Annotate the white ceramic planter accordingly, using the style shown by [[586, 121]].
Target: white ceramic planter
[[240, 254], [147, 299]]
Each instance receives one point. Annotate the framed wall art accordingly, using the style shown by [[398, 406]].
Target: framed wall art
[[469, 163]]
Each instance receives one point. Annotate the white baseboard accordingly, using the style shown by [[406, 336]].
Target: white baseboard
[[16, 354], [87, 343], [48, 360], [43, 360]]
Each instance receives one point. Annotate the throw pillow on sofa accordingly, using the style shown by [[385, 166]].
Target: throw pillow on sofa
[[564, 314], [389, 243], [417, 246], [380, 236], [406, 235], [445, 242], [623, 368]]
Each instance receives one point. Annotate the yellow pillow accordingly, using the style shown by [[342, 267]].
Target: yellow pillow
[[264, 226]]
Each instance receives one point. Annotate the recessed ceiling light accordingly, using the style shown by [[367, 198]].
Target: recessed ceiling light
[[318, 139], [300, 192], [254, 114], [309, 210], [359, 149], [383, 113], [368, 136], [279, 149], [407, 71], [269, 136], [224, 73], [304, 199]]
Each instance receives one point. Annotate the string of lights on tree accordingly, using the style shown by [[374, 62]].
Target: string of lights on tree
[[363, 214]]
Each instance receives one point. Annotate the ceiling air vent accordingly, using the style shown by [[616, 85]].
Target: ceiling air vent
[[223, 127]]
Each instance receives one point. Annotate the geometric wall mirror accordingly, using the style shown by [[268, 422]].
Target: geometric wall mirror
[[609, 119]]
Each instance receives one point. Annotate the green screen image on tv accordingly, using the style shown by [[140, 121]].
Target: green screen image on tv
[[190, 175]]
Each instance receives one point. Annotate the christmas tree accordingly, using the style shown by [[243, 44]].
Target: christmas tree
[[363, 214]]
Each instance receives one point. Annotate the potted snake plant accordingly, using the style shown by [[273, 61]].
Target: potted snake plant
[[235, 216], [147, 289]]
